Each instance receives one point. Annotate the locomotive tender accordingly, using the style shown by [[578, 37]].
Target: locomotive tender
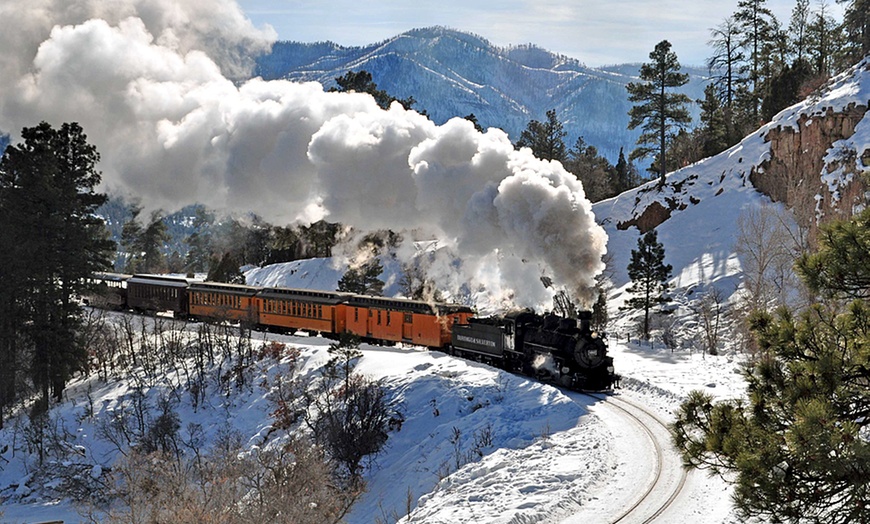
[[550, 348]]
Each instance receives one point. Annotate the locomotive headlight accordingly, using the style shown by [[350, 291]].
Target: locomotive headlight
[[594, 334], [566, 370], [610, 369]]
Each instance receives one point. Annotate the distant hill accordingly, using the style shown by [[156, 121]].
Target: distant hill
[[451, 73]]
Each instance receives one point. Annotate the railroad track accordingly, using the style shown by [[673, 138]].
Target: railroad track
[[664, 484]]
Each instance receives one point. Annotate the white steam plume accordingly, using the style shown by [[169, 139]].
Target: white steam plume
[[156, 85]]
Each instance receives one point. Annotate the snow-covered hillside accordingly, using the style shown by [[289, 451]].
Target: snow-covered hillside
[[547, 455], [696, 212]]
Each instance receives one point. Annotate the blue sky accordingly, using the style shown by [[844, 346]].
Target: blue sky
[[594, 32]]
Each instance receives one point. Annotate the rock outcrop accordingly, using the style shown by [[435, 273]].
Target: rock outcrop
[[795, 173]]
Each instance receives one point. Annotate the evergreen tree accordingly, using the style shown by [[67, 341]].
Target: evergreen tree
[[824, 36], [199, 242], [363, 280], [784, 89], [600, 316], [319, 238], [857, 26], [145, 245], [361, 82], [727, 65], [545, 139], [594, 171], [758, 27], [226, 270], [714, 133], [841, 269], [798, 443], [649, 275], [625, 174], [471, 117], [659, 111], [797, 28], [686, 148], [48, 208]]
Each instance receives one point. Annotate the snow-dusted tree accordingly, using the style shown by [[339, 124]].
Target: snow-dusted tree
[[658, 110], [649, 275]]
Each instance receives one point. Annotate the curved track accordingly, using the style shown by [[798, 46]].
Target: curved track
[[650, 476]]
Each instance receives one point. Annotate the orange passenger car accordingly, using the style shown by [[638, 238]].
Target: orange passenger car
[[213, 300], [402, 320], [293, 309]]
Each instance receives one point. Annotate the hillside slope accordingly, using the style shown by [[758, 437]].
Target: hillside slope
[[451, 73], [808, 158]]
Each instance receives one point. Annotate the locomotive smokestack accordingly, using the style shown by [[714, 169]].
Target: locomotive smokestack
[[585, 318]]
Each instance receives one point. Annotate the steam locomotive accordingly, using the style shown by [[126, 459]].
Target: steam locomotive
[[551, 348]]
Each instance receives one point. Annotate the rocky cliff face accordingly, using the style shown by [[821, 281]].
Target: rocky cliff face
[[801, 173]]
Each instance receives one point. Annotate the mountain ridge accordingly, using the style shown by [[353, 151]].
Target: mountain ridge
[[452, 74]]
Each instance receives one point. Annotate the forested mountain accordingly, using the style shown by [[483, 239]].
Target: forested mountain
[[451, 73]]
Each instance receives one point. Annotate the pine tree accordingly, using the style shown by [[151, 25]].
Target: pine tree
[[363, 280], [727, 65], [759, 29], [199, 242], [361, 82], [714, 133], [545, 139], [659, 111], [49, 214], [798, 443], [729, 71], [649, 275], [594, 171], [145, 245], [797, 28], [625, 174], [841, 269], [226, 270], [857, 25], [824, 36]]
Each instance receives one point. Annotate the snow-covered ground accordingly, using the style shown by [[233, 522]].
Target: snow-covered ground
[[550, 456]]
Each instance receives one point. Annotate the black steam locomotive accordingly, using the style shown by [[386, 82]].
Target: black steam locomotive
[[550, 348]]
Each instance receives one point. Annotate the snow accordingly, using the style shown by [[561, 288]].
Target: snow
[[550, 454]]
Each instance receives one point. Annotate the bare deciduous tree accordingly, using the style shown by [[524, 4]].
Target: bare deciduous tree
[[709, 312], [768, 245]]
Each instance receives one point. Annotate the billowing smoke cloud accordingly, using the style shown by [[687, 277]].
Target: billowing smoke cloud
[[157, 85]]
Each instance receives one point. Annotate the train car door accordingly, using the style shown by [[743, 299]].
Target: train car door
[[407, 326]]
